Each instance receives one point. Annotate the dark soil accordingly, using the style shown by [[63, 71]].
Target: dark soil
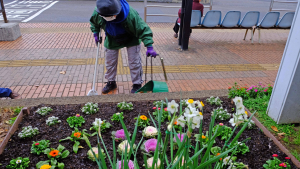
[[261, 148]]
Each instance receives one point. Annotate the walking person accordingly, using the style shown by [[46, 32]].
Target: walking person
[[7, 92], [196, 6], [123, 28]]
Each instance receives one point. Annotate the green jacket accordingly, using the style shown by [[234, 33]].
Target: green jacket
[[134, 26]]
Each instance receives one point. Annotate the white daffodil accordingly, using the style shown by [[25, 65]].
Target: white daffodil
[[19, 161], [190, 102], [172, 107], [199, 105], [97, 122], [189, 112], [238, 101], [227, 161], [181, 121], [196, 122]]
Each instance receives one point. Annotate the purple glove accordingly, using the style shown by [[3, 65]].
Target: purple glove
[[151, 52], [96, 36]]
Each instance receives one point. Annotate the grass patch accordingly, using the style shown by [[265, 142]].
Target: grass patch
[[256, 98]]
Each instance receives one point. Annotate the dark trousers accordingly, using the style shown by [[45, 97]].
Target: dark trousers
[[176, 27], [5, 92]]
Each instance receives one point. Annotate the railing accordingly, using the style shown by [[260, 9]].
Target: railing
[[162, 6], [2, 9], [278, 1]]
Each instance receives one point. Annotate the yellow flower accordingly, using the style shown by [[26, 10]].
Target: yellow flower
[[191, 101], [46, 166], [201, 113], [246, 113], [203, 137], [143, 117], [202, 104]]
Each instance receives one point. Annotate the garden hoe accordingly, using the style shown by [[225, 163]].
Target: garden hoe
[[93, 92]]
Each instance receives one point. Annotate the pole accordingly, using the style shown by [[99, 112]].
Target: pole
[[186, 24], [2, 9], [181, 22], [145, 11]]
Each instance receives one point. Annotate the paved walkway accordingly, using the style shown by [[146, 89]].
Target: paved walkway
[[33, 65]]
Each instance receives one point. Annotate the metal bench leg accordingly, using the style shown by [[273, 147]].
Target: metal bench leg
[[258, 35], [252, 35], [245, 34]]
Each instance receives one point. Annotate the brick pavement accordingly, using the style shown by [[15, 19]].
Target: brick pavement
[[216, 59]]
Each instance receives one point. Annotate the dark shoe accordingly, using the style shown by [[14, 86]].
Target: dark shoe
[[176, 35], [135, 88], [14, 95], [109, 87]]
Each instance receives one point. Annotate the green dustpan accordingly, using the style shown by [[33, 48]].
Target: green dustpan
[[154, 86]]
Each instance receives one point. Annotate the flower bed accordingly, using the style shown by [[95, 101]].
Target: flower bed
[[261, 148]]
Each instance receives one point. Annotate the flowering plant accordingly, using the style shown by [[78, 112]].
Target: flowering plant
[[43, 110], [95, 150], [121, 164], [90, 108], [149, 146], [28, 132], [18, 163], [75, 121], [225, 133], [241, 148], [115, 117], [276, 163], [99, 123], [123, 146], [160, 103], [39, 146], [143, 121], [150, 163], [164, 114], [52, 120], [125, 106], [119, 135], [251, 92], [76, 136], [53, 155], [214, 101], [149, 132], [222, 114]]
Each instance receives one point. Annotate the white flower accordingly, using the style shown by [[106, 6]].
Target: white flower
[[150, 162], [190, 102], [122, 147], [19, 161], [150, 131], [227, 161], [169, 127], [238, 101], [199, 104], [172, 107], [196, 122], [232, 166], [117, 113], [97, 122], [190, 112], [181, 121]]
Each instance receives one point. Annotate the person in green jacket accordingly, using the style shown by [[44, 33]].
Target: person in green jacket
[[123, 28]]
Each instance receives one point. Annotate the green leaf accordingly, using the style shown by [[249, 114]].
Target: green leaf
[[53, 162], [65, 154], [60, 148], [68, 138], [41, 163], [60, 165], [75, 146]]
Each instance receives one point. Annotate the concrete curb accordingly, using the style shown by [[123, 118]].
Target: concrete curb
[[111, 98], [271, 136]]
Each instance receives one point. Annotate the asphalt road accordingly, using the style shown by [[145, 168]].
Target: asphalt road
[[80, 11]]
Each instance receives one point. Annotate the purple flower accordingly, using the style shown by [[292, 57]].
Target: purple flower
[[130, 164], [179, 136], [150, 145], [266, 90], [255, 90], [120, 134]]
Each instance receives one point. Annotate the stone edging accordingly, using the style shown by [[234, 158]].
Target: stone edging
[[278, 143], [13, 128]]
